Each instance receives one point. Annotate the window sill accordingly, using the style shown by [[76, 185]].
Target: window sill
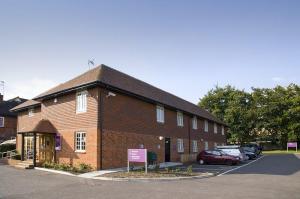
[[80, 112], [82, 152]]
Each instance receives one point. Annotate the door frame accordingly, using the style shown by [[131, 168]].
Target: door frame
[[167, 149]]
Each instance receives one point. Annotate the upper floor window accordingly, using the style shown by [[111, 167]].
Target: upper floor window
[[195, 126], [179, 118], [215, 128], [160, 114], [81, 102], [205, 125], [80, 141], [1, 121], [223, 131], [31, 112], [180, 147]]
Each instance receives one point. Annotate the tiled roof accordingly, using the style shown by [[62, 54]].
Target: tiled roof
[[26, 104], [5, 106], [111, 77]]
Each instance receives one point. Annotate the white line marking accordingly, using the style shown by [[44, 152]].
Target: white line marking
[[240, 166]]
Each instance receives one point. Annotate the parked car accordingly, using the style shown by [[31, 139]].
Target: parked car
[[234, 150], [250, 152], [255, 147], [216, 157]]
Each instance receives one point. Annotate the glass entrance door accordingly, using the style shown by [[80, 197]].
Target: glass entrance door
[[28, 148]]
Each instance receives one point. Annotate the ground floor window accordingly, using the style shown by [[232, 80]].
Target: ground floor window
[[180, 147], [194, 146], [1, 121], [206, 145], [80, 141]]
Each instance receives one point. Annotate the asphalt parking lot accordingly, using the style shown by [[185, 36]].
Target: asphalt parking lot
[[271, 177]]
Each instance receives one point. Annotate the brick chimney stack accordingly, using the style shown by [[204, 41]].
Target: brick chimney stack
[[1, 98]]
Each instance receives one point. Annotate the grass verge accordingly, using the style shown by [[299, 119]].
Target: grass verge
[[281, 152]]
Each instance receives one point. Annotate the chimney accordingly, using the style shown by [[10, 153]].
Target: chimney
[[1, 98]]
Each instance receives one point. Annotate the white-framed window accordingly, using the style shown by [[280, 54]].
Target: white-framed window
[[180, 147], [160, 114], [206, 145], [179, 118], [205, 125], [194, 146], [223, 131], [30, 112], [81, 101], [215, 128], [80, 141], [195, 125], [1, 122]]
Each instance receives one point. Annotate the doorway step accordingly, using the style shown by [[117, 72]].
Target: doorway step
[[25, 165]]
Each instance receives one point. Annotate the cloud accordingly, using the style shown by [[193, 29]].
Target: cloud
[[27, 88], [277, 79]]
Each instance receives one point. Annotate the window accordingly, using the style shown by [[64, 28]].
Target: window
[[81, 102], [80, 141], [195, 123], [31, 112], [215, 144], [205, 125], [1, 121], [160, 114], [223, 132], [215, 128], [206, 145], [180, 147], [179, 119], [194, 146]]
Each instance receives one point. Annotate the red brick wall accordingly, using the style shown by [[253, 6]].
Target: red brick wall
[[10, 128]]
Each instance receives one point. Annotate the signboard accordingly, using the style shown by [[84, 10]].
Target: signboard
[[57, 142], [137, 155], [292, 145]]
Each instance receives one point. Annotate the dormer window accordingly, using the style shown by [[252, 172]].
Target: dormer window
[[30, 112]]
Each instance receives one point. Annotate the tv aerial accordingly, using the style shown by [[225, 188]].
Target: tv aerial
[[91, 62]]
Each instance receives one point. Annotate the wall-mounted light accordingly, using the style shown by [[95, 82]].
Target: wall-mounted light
[[160, 138], [55, 100], [111, 94]]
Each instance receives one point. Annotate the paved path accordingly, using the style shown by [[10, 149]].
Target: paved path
[[274, 176]]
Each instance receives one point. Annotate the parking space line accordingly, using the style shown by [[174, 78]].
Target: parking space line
[[240, 166]]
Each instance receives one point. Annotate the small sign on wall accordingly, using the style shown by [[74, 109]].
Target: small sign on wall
[[57, 142]]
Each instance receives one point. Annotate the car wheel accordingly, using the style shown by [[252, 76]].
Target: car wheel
[[229, 162], [201, 162]]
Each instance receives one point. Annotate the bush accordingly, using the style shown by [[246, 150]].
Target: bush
[[82, 168], [189, 169], [7, 147]]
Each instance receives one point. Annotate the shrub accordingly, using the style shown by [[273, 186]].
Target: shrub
[[7, 147], [84, 168], [189, 169]]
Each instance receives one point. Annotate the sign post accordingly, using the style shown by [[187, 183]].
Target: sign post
[[137, 155], [292, 145]]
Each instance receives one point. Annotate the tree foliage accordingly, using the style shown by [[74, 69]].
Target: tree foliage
[[271, 114]]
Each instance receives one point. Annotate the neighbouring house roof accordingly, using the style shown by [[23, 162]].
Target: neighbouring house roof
[[5, 106], [43, 126], [25, 105], [114, 79]]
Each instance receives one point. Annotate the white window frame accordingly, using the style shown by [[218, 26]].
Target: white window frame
[[160, 114], [3, 122], [180, 146], [223, 130], [205, 126], [194, 146], [179, 118], [215, 128], [81, 101], [205, 145], [80, 141], [195, 123], [30, 112]]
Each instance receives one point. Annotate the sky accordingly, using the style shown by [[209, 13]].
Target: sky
[[183, 47]]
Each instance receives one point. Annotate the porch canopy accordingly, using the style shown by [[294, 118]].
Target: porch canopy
[[42, 127]]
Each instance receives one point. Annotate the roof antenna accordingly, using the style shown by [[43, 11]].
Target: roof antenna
[[91, 62], [2, 87]]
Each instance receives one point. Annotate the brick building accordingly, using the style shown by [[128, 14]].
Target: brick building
[[95, 117], [8, 119]]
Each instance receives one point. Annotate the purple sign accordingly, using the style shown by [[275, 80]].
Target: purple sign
[[292, 144], [137, 155], [57, 142]]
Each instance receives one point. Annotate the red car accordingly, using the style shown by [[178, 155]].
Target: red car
[[216, 157]]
